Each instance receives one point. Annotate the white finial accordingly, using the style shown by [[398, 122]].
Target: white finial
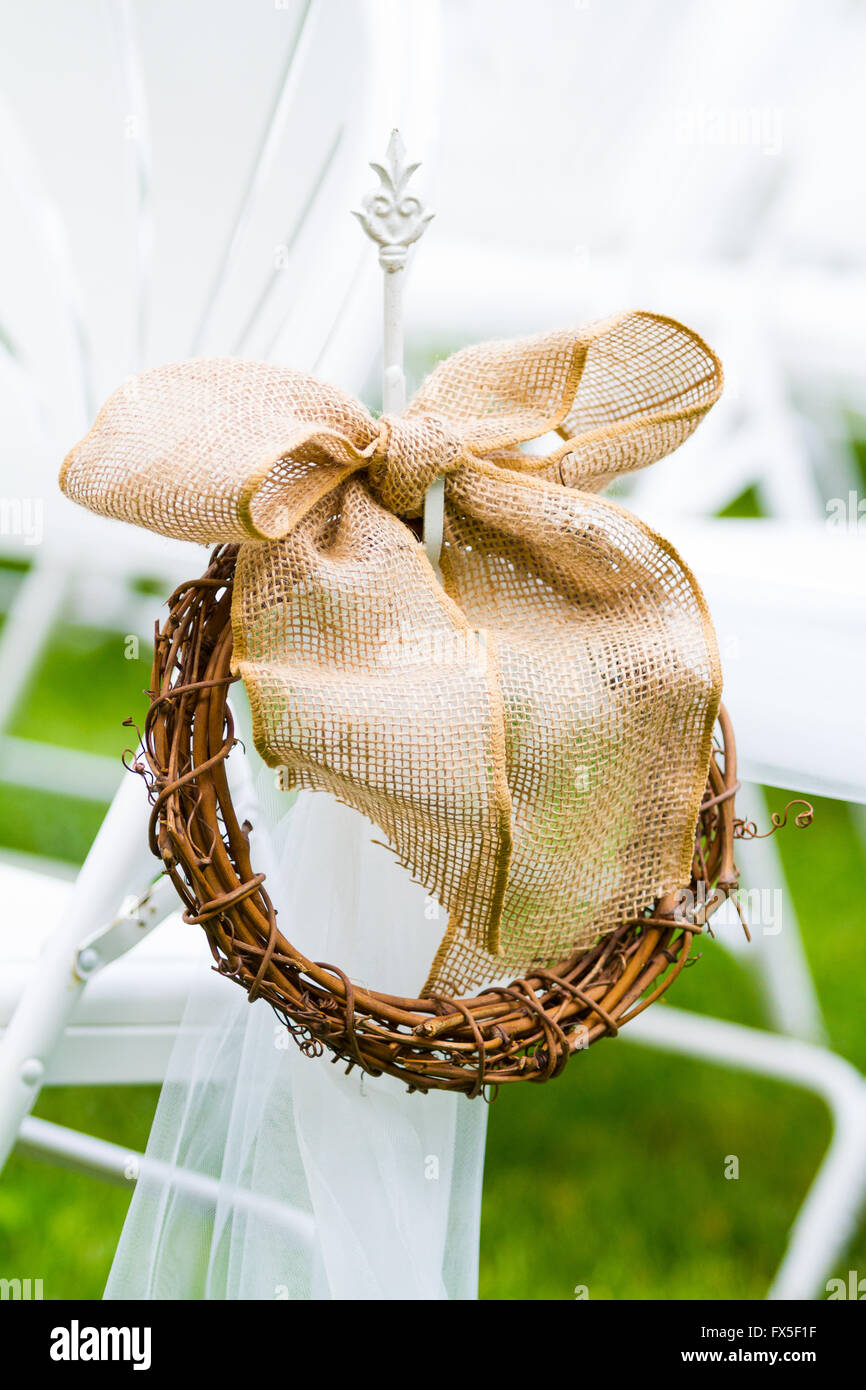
[[390, 216], [394, 219]]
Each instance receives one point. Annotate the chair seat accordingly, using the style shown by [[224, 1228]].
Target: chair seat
[[788, 602], [124, 1026]]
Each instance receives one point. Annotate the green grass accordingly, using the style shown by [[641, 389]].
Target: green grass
[[615, 1181], [85, 688], [57, 1225], [612, 1177], [748, 504]]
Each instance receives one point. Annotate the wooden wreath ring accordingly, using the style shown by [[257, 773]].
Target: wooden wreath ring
[[524, 1032]]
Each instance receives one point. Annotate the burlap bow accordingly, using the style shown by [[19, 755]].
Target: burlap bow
[[533, 739]]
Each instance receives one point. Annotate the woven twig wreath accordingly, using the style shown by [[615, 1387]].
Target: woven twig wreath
[[524, 1032]]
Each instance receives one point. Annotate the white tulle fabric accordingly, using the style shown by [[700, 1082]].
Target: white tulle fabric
[[322, 1185]]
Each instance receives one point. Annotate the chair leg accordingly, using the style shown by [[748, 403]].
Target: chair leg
[[119, 863], [828, 1217], [29, 622], [99, 1159], [777, 949]]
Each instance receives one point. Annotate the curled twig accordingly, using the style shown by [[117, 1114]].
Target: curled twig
[[748, 830]]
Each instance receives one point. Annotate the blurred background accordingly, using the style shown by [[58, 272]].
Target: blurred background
[[176, 178]]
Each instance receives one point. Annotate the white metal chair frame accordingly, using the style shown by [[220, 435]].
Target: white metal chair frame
[[53, 1003], [396, 69]]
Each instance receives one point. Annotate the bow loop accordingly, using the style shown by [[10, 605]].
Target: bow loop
[[410, 452]]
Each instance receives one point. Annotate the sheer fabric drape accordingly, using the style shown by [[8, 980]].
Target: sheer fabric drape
[[323, 1185]]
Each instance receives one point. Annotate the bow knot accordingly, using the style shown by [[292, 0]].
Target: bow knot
[[408, 453]]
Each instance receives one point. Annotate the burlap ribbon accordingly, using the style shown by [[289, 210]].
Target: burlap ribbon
[[533, 738]]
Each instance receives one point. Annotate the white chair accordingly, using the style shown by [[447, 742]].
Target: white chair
[[180, 182], [745, 244], [221, 225]]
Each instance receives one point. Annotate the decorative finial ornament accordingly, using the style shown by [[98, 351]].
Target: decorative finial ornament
[[391, 216], [394, 219]]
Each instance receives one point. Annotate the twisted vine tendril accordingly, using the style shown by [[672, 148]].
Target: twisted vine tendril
[[748, 830]]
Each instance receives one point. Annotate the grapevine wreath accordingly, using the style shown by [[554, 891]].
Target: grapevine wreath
[[532, 728]]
